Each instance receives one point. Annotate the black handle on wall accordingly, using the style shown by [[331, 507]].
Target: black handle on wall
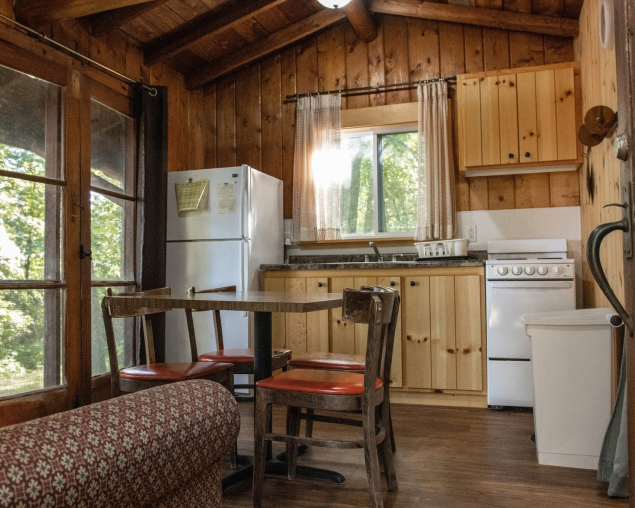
[[595, 265]]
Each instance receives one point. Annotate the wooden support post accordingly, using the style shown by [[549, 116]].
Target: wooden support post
[[359, 18]]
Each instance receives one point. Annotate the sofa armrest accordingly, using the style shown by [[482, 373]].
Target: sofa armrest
[[125, 451]]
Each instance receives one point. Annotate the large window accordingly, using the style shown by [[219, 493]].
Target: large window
[[32, 282], [379, 194]]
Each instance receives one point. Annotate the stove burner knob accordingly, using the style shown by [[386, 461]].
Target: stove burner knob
[[557, 270], [543, 270], [529, 270], [517, 270], [502, 270]]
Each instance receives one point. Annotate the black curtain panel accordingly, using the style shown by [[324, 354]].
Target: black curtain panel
[[152, 202]]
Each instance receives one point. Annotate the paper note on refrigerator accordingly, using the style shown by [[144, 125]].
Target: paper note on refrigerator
[[226, 197]]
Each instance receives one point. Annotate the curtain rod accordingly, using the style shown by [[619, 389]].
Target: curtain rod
[[368, 88], [41, 37]]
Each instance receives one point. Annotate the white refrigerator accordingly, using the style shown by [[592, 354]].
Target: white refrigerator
[[222, 245]]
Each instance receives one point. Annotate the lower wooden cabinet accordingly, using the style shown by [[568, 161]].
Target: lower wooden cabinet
[[439, 351]]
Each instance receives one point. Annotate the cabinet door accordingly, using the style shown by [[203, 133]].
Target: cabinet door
[[490, 121], [527, 122], [278, 319], [470, 128], [361, 330], [296, 322], [343, 333], [546, 116], [469, 340], [442, 333], [396, 370], [417, 331], [508, 116], [565, 114], [317, 323]]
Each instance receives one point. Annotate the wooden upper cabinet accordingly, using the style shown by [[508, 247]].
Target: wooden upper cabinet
[[519, 120]]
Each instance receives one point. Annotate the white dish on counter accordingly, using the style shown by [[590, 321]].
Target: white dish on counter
[[442, 248]]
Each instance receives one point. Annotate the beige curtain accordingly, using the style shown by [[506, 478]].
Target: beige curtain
[[435, 200], [317, 169]]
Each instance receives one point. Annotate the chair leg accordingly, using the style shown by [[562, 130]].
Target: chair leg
[[260, 448], [371, 458], [392, 434], [293, 429], [309, 422], [386, 448]]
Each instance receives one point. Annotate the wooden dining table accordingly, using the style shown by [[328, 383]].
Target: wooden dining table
[[262, 304]]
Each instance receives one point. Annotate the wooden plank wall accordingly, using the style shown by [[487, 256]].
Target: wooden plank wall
[[598, 75], [244, 119]]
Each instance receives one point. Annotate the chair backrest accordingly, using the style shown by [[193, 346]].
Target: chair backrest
[[119, 311], [218, 329], [379, 308]]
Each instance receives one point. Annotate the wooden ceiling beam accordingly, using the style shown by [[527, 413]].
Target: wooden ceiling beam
[[41, 12], [109, 21], [202, 26], [547, 25], [260, 49], [359, 18]]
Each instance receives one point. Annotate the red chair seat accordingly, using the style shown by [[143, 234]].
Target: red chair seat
[[327, 382], [245, 355], [181, 371], [333, 361]]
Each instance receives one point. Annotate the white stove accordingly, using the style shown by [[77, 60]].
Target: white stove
[[522, 277]]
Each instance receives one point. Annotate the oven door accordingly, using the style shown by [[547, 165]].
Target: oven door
[[508, 301]]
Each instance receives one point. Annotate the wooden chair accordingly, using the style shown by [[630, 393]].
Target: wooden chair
[[141, 377], [243, 359], [338, 391]]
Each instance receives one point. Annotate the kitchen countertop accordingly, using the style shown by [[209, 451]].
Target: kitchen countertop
[[356, 262]]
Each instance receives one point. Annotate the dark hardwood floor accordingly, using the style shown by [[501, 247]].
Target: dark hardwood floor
[[445, 457]]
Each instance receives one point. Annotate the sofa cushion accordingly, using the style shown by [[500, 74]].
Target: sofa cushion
[[129, 451]]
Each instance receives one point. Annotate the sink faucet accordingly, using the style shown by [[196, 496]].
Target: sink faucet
[[379, 256]]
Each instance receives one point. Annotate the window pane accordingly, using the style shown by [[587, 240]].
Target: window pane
[[30, 230], [30, 340], [111, 238], [357, 187], [124, 332], [29, 124], [397, 160], [112, 149]]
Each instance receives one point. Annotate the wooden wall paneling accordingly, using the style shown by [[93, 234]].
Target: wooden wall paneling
[[526, 49], [417, 332], [196, 129], [343, 333], [109, 51], [396, 370], [170, 80], [306, 66], [501, 193], [396, 57], [288, 87], [271, 114], [376, 68], [495, 49], [183, 140], [452, 59], [564, 190], [134, 62], [226, 122], [295, 331], [546, 116], [558, 49], [442, 333], [527, 119], [356, 60], [361, 330], [278, 319], [565, 114], [6, 8], [469, 355], [209, 131], [248, 120], [332, 60], [423, 52], [317, 323], [479, 193], [532, 190]]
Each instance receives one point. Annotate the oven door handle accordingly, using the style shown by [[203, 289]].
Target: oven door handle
[[595, 265], [532, 284]]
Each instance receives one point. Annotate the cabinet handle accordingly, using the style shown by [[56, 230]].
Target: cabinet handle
[[527, 154], [511, 155], [412, 282], [392, 282], [320, 284]]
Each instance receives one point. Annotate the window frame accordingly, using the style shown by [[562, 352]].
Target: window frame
[[376, 132]]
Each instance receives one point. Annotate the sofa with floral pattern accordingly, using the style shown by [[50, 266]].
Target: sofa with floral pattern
[[159, 447]]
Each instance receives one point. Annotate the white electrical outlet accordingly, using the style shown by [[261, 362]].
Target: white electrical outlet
[[471, 232]]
